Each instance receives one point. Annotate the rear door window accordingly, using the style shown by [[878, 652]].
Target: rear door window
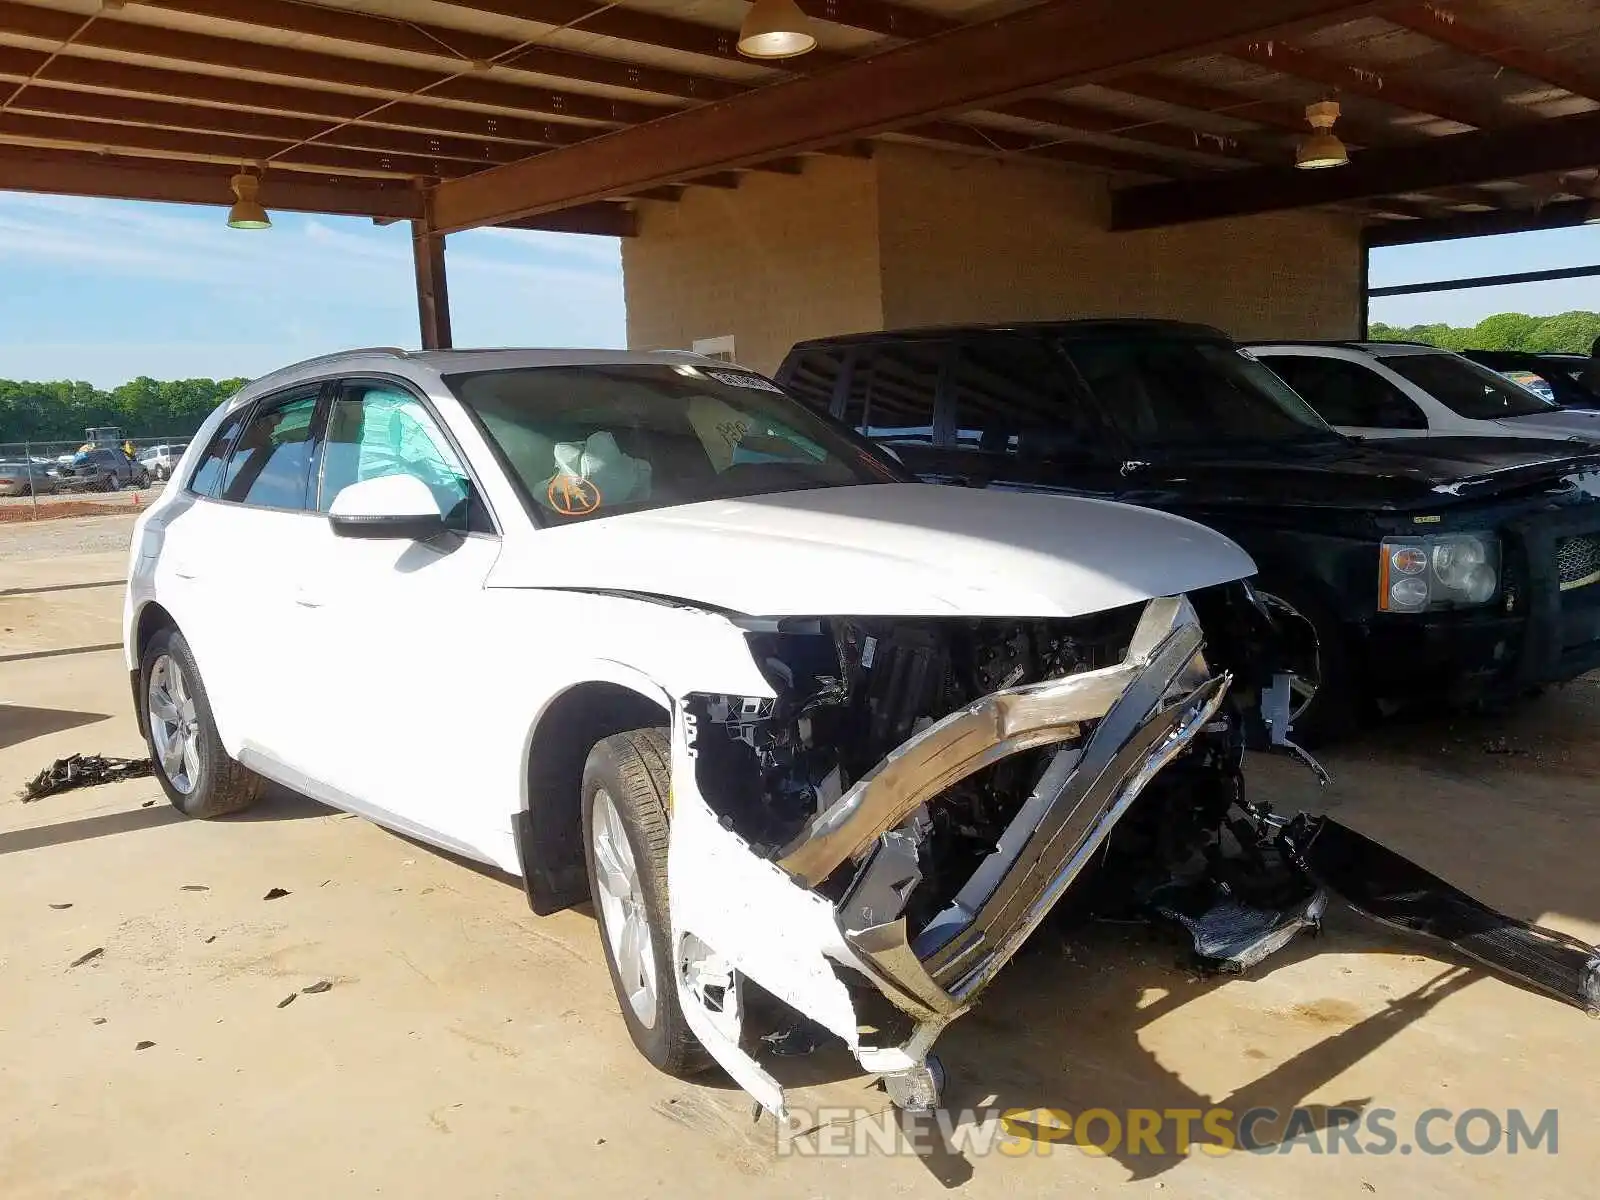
[[892, 391], [1009, 395], [271, 462], [1347, 393], [1465, 388], [813, 377], [209, 471]]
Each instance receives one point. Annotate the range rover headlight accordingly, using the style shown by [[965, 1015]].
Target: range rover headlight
[[1424, 574]]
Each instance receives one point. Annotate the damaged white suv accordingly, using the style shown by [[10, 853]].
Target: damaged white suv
[[640, 627]]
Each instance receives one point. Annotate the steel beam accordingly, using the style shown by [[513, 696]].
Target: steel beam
[[1056, 43]]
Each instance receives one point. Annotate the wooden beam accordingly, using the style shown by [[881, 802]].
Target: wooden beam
[[1388, 87], [230, 54], [1056, 43], [65, 72], [1556, 144], [449, 43], [433, 288], [600, 219], [277, 127], [1443, 25], [73, 173]]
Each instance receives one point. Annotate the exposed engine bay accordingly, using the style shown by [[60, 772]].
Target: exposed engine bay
[[850, 691], [917, 795]]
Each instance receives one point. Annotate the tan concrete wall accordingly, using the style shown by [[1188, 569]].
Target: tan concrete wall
[[972, 239], [778, 259], [918, 237]]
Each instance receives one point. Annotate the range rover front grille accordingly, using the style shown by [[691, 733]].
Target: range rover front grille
[[1578, 561]]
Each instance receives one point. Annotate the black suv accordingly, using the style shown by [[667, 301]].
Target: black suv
[[1460, 566]]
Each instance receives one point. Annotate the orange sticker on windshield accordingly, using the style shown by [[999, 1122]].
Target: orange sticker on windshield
[[572, 495]]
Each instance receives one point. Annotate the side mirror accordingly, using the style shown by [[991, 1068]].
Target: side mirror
[[391, 506]]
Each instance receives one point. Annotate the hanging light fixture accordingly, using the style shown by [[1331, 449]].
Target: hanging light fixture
[[247, 212], [1322, 148], [775, 29]]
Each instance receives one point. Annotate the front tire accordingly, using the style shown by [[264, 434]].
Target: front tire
[[198, 776], [625, 787], [1329, 709]]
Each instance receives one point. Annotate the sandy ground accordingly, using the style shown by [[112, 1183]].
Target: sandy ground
[[466, 1048]]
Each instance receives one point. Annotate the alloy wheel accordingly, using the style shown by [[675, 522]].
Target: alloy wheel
[[174, 725], [622, 910]]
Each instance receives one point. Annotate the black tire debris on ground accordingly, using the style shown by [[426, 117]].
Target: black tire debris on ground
[[82, 770], [89, 957], [276, 894], [143, 1045], [287, 1000]]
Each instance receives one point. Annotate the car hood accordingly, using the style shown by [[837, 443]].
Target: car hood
[[1378, 475], [896, 549], [1581, 423]]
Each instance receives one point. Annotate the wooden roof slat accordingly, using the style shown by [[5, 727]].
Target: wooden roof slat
[[75, 173], [1183, 93], [1389, 87], [214, 146], [100, 76], [1445, 26], [416, 37], [135, 110], [1010, 141], [1156, 133], [1053, 44], [1553, 144], [180, 46]]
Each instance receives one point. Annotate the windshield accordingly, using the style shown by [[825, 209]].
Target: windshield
[[594, 441], [1177, 392], [1467, 389]]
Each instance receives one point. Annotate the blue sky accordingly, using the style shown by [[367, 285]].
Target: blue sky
[[105, 290], [1577, 247]]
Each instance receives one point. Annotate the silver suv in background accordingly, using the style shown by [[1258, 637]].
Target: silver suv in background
[[1406, 389], [158, 460]]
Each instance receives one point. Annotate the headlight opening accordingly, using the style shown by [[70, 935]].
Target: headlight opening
[[1423, 574]]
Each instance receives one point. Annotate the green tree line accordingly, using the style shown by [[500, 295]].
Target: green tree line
[[1568, 332], [143, 407]]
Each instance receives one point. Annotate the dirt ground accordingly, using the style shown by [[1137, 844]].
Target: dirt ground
[[466, 1048]]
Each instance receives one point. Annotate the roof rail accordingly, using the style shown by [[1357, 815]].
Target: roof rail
[[336, 356]]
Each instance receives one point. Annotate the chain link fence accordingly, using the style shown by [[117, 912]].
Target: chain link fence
[[54, 451]]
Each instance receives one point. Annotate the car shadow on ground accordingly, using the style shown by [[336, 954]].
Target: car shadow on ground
[[22, 723]]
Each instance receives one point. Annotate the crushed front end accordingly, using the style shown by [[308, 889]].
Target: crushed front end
[[916, 797]]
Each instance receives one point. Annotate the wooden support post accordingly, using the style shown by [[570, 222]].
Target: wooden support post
[[433, 291]]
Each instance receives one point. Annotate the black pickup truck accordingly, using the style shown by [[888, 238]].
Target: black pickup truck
[[1458, 567]]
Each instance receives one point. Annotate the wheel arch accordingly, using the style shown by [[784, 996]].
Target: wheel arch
[[151, 618], [548, 826]]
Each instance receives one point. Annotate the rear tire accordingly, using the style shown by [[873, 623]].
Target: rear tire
[[625, 787], [195, 772]]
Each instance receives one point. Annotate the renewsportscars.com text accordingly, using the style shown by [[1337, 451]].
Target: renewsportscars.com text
[[828, 1132]]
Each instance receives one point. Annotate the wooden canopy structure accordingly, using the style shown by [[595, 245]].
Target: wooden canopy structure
[[568, 114]]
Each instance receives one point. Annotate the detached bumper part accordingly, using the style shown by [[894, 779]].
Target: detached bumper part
[[1395, 891]]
